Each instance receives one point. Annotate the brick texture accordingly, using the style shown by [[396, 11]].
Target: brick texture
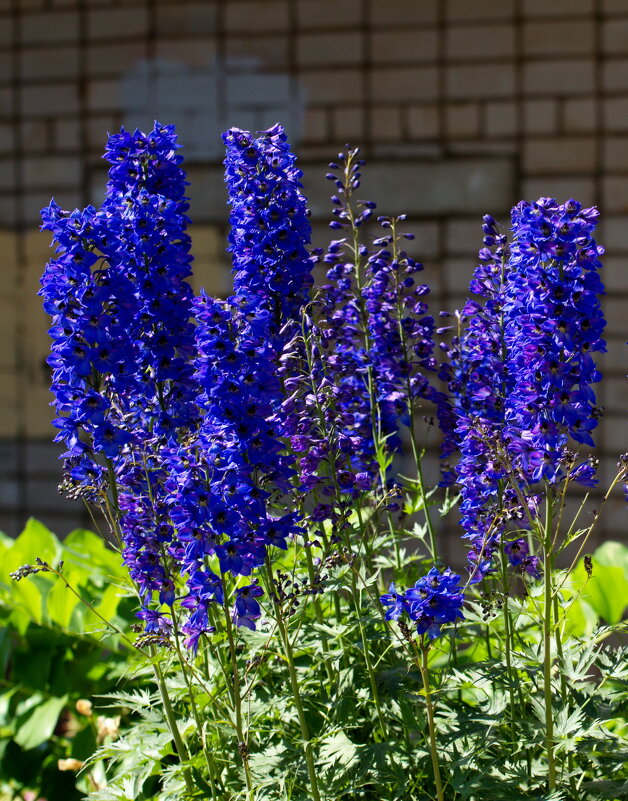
[[561, 78], [480, 42], [573, 37], [559, 155]]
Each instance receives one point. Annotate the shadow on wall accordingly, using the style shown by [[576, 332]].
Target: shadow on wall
[[205, 101]]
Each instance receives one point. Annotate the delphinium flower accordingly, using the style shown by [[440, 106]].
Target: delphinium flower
[[522, 373], [119, 299], [518, 553], [146, 191], [377, 313], [400, 330], [86, 308], [435, 599], [480, 382], [553, 325], [122, 342], [247, 609], [225, 482], [272, 269], [369, 350]]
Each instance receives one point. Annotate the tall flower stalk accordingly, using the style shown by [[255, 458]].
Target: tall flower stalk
[[536, 330]]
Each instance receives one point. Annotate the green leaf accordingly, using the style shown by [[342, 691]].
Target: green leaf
[[5, 705], [605, 593], [108, 604], [60, 601], [28, 603], [86, 551], [608, 789], [40, 723], [337, 750], [613, 553], [20, 619], [27, 597], [580, 619], [36, 541]]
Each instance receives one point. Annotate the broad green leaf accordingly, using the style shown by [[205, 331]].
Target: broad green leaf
[[580, 619], [108, 605], [606, 591], [614, 554], [21, 619], [40, 723], [36, 541], [86, 550], [27, 598], [61, 601]]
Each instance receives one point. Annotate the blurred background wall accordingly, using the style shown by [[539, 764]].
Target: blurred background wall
[[462, 107]]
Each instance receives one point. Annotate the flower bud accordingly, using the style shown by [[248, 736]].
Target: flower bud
[[71, 764], [84, 707], [107, 727]]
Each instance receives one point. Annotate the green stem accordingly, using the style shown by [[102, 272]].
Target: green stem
[[563, 691], [159, 677], [113, 512], [89, 605], [367, 657], [172, 725], [320, 620], [508, 647], [426, 509], [195, 714], [296, 695], [422, 665], [547, 644], [416, 453], [237, 699]]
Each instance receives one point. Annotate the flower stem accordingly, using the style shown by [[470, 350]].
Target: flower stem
[[422, 665], [173, 726], [194, 708], [237, 699], [182, 750], [367, 657], [563, 690], [296, 695], [318, 612], [507, 651], [547, 644]]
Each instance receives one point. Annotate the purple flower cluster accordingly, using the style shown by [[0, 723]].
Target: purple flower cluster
[[187, 416], [553, 324], [123, 342], [215, 423], [435, 599], [272, 269], [521, 372], [224, 484], [480, 383], [365, 352], [120, 304]]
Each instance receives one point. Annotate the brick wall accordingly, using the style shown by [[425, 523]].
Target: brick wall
[[462, 107]]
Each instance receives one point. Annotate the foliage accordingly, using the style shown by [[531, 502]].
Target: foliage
[[57, 666], [54, 651]]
